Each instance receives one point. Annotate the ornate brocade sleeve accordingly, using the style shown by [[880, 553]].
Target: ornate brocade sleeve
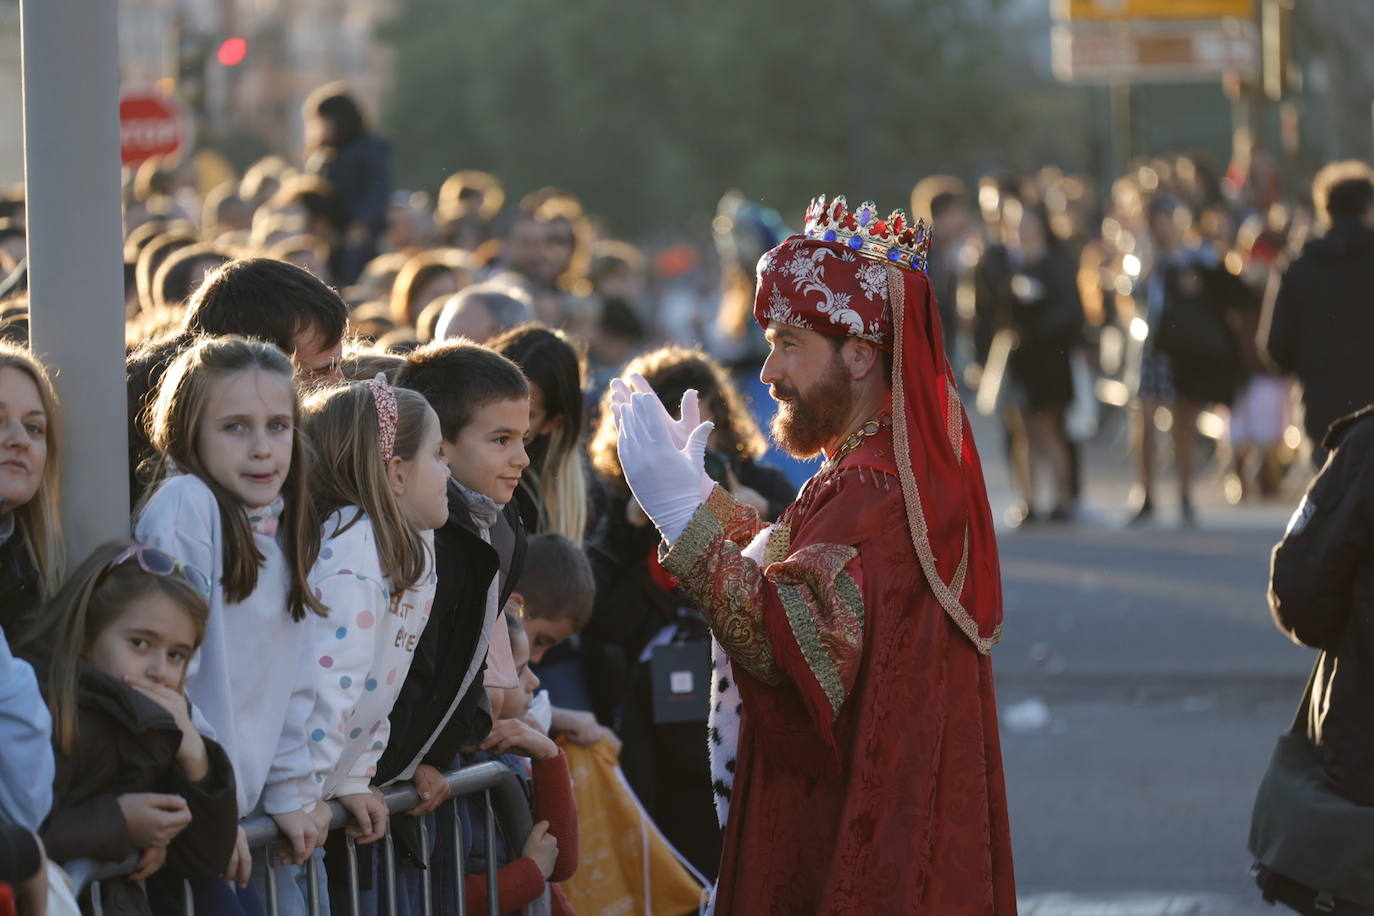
[[812, 590], [738, 522], [724, 586]]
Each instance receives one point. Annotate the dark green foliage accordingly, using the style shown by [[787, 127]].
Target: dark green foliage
[[650, 110]]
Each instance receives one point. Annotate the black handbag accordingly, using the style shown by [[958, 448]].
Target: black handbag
[[1303, 831]]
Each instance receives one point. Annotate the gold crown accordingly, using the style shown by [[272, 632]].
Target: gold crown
[[896, 239]]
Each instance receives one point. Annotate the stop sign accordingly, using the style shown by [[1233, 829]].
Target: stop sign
[[150, 124]]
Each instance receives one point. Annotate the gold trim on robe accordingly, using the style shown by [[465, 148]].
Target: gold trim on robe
[[722, 584], [820, 598]]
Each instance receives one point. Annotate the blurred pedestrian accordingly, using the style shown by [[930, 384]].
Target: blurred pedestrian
[[357, 164], [1319, 324], [1047, 321], [1189, 355]]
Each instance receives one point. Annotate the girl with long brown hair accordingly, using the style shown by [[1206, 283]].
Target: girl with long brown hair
[[233, 500], [133, 772]]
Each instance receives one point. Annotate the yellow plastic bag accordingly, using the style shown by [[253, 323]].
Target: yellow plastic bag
[[625, 866]]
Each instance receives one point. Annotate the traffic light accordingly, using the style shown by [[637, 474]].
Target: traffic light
[[232, 51], [192, 51]]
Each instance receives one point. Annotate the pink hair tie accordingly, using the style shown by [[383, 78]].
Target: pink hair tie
[[385, 399]]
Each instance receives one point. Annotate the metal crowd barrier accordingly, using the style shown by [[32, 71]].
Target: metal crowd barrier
[[503, 801]]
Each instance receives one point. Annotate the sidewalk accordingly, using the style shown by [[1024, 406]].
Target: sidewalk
[[1141, 904]]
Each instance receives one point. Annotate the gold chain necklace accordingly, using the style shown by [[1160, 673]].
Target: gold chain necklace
[[869, 428]]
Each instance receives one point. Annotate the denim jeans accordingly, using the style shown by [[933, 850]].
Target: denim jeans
[[292, 883]]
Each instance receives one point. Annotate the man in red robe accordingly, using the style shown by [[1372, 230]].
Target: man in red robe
[[869, 774]]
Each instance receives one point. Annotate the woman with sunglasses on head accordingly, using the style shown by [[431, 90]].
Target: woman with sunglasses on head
[[133, 773]]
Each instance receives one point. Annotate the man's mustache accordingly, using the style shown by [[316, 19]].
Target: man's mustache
[[780, 392]]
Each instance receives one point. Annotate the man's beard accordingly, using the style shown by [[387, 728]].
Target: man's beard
[[805, 423]]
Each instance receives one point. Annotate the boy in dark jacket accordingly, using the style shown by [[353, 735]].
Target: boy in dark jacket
[[482, 401]]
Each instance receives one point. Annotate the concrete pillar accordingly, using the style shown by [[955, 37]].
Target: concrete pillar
[[75, 231]]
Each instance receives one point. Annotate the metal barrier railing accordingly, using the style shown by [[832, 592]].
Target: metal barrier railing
[[503, 801]]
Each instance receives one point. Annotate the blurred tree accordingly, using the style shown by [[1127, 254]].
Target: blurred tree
[[650, 111]]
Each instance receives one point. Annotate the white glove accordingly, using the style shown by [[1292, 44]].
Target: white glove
[[664, 478], [689, 411]]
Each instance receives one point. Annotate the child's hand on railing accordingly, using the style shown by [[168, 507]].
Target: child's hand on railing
[[298, 829], [240, 867], [149, 862], [516, 736], [369, 813], [432, 788], [322, 815], [152, 819], [542, 847]]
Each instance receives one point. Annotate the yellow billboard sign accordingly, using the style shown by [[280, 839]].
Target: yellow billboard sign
[[1107, 10]]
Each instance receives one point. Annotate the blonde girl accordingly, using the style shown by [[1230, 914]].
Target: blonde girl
[[380, 486]]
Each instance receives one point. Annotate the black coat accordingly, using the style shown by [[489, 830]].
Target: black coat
[[465, 565], [19, 592], [127, 743], [1324, 569], [1321, 322]]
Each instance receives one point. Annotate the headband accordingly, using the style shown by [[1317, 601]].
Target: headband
[[385, 399]]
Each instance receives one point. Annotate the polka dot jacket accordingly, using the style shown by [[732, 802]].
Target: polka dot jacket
[[361, 652]]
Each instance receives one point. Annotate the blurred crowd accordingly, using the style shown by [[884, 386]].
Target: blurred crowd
[[1183, 301], [1171, 304]]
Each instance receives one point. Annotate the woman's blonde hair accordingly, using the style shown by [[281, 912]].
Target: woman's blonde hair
[[341, 420], [40, 519], [93, 599], [174, 428]]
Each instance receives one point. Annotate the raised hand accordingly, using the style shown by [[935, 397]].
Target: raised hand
[[689, 414], [665, 479], [191, 755]]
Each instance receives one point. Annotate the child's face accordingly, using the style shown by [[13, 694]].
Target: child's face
[[497, 697], [420, 484], [543, 635], [152, 640], [518, 699], [488, 455], [246, 434]]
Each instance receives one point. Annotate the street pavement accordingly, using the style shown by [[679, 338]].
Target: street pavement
[[1141, 685]]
